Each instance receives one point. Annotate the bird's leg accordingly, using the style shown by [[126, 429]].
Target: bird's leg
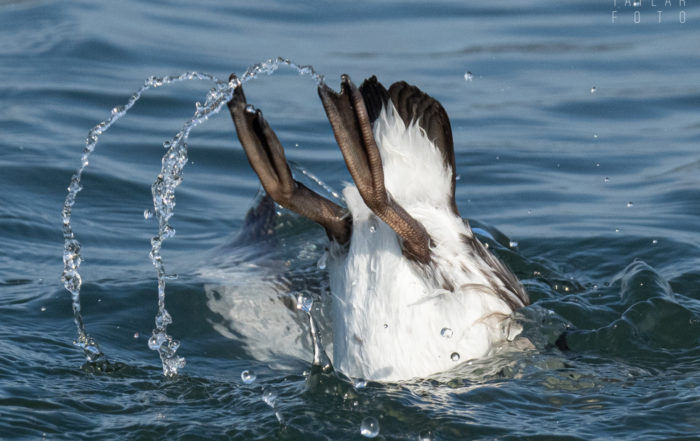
[[353, 131], [266, 156]]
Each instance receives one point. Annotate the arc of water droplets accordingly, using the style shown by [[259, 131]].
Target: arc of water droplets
[[315, 179], [71, 248], [163, 191]]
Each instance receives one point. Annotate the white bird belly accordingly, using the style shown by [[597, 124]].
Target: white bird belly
[[393, 321]]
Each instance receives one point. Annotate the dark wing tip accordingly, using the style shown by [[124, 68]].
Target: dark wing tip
[[375, 97], [413, 104]]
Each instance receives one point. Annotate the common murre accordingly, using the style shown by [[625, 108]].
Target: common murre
[[413, 289]]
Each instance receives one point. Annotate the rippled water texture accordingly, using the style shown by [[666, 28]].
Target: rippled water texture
[[577, 151]]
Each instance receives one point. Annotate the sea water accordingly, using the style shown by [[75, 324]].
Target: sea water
[[561, 118]]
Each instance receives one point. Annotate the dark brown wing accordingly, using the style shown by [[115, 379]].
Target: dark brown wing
[[375, 96]]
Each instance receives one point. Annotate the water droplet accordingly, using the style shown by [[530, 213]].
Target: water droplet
[[454, 356], [458, 177], [156, 341], [593, 89], [369, 427], [269, 396], [43, 308], [321, 264], [655, 241], [74, 187], [425, 435], [373, 264], [597, 164], [163, 319], [607, 179], [617, 230], [248, 376], [468, 76], [637, 3], [136, 335], [304, 302], [446, 332], [167, 144], [296, 144], [630, 204], [360, 383], [595, 136], [168, 232], [513, 244], [147, 214], [249, 108], [386, 325]]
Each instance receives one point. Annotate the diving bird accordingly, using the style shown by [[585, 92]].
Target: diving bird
[[413, 290]]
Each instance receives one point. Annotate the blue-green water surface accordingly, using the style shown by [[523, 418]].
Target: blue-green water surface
[[577, 135]]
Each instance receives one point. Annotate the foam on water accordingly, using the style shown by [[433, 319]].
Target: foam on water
[[163, 192]]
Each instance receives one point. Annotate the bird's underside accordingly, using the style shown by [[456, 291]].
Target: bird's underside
[[397, 145]]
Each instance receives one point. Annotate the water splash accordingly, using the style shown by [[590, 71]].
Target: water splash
[[270, 66], [316, 180], [163, 192], [72, 258], [269, 396], [170, 177], [425, 435], [322, 261], [304, 303]]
